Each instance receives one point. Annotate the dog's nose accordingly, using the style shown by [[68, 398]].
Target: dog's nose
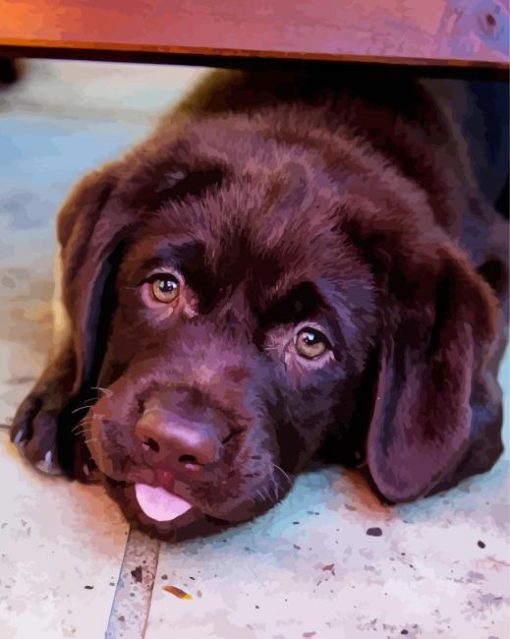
[[171, 440]]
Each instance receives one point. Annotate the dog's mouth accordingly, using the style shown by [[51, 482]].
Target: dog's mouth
[[150, 498], [162, 514], [165, 508], [156, 509], [159, 501], [160, 504]]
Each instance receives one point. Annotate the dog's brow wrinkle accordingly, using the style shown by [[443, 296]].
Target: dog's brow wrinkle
[[298, 302]]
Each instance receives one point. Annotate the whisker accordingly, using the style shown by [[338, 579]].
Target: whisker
[[89, 400], [77, 410], [87, 419], [79, 428], [268, 492], [82, 428], [276, 489], [84, 407], [106, 391], [283, 473]]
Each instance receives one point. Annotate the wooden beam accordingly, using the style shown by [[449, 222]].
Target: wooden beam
[[440, 33]]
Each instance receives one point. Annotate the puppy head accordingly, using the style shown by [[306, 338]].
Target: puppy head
[[237, 301]]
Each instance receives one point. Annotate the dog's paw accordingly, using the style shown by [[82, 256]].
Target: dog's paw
[[34, 433]]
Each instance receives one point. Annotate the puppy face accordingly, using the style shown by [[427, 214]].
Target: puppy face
[[240, 333], [246, 294]]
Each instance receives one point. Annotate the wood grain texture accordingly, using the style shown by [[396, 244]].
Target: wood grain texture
[[440, 32]]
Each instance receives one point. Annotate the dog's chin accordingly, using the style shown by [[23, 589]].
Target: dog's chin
[[193, 521]]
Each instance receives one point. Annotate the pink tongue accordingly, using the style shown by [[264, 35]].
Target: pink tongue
[[159, 504]]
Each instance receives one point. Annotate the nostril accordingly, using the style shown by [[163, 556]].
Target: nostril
[[151, 444]]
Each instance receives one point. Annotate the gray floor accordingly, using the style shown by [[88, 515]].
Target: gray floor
[[62, 546]]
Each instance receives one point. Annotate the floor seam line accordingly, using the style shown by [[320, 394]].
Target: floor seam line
[[131, 603]]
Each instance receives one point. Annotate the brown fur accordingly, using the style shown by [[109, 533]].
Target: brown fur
[[347, 200]]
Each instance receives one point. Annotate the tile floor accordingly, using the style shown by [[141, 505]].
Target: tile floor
[[69, 567]]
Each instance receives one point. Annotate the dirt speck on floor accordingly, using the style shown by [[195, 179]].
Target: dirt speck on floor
[[137, 574]]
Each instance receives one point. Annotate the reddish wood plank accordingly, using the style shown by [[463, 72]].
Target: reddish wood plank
[[435, 31]]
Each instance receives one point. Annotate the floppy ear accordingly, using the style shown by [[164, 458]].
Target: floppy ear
[[90, 226], [88, 230], [438, 325]]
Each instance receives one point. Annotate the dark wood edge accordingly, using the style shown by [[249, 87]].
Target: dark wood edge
[[234, 58]]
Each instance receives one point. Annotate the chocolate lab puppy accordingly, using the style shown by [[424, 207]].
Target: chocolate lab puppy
[[293, 267]]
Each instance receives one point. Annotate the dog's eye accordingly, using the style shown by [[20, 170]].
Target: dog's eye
[[165, 288], [311, 343]]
